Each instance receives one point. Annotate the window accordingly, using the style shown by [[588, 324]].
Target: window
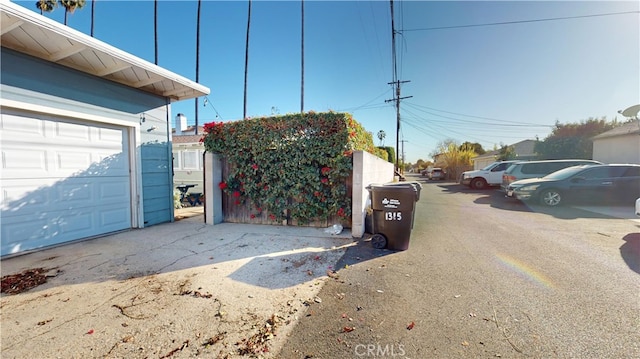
[[632, 172], [177, 160], [190, 160]]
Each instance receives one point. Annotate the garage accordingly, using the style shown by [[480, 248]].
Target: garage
[[62, 180], [85, 135]]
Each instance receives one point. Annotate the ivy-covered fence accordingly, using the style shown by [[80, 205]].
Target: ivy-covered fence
[[293, 168]]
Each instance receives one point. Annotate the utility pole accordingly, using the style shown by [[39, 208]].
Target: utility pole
[[403, 141], [396, 83], [397, 99]]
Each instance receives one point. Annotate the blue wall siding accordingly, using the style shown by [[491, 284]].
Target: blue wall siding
[[27, 79]]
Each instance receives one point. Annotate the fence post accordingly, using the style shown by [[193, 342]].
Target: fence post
[[213, 193]]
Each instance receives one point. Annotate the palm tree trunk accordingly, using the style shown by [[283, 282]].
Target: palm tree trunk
[[93, 4], [155, 30], [246, 61], [197, 59]]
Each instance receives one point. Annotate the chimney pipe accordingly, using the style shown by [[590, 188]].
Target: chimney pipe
[[181, 124]]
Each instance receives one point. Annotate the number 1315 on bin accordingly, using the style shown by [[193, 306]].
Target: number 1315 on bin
[[393, 216]]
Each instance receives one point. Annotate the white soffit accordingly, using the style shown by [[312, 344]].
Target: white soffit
[[30, 33]]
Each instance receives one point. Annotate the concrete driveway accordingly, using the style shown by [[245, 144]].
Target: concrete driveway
[[178, 290]]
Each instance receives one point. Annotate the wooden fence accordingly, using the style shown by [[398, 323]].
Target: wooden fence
[[242, 213]]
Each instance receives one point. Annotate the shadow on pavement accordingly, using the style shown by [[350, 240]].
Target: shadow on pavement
[[361, 252], [630, 251], [263, 256]]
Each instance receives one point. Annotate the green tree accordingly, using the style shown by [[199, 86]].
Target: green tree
[[507, 153], [46, 5], [453, 157], [391, 153], [70, 6], [477, 148], [381, 137], [573, 140]]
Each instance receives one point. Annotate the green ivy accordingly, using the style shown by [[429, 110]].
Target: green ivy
[[295, 164]]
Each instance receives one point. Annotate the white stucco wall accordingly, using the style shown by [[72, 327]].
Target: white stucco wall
[[367, 169], [618, 149], [213, 193]]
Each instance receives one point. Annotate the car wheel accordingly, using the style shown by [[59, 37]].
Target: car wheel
[[378, 241], [551, 198], [478, 183]]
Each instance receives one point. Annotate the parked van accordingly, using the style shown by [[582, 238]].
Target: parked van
[[536, 169]]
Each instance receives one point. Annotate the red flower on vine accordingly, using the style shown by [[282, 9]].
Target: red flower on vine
[[222, 185], [254, 166], [252, 216], [341, 212], [325, 180], [272, 217], [236, 194], [325, 170]]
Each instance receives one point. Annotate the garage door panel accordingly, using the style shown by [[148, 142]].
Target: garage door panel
[[25, 197], [113, 191], [61, 181], [72, 131], [17, 237], [24, 125], [71, 162], [113, 217], [47, 228], [16, 195], [110, 165], [19, 163]]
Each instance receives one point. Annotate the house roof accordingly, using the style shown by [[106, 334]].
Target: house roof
[[187, 138], [190, 129], [30, 33], [629, 128]]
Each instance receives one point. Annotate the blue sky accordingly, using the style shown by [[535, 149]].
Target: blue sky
[[469, 80]]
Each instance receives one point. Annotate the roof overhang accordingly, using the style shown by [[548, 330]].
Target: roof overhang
[[27, 32]]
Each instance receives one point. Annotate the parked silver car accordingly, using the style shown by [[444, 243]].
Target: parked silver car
[[536, 169], [437, 174]]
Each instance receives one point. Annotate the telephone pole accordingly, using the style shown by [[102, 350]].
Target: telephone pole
[[396, 83], [397, 99], [403, 141]]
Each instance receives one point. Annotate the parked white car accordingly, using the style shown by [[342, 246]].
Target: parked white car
[[491, 175]]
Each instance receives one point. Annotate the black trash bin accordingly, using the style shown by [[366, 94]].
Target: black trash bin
[[393, 208]]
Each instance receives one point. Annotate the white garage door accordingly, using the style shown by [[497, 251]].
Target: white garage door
[[61, 181]]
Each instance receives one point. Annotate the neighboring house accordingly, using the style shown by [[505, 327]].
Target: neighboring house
[[618, 145], [188, 154], [524, 151], [84, 135]]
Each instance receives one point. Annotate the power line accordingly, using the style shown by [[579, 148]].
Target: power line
[[522, 21], [207, 101], [502, 123]]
